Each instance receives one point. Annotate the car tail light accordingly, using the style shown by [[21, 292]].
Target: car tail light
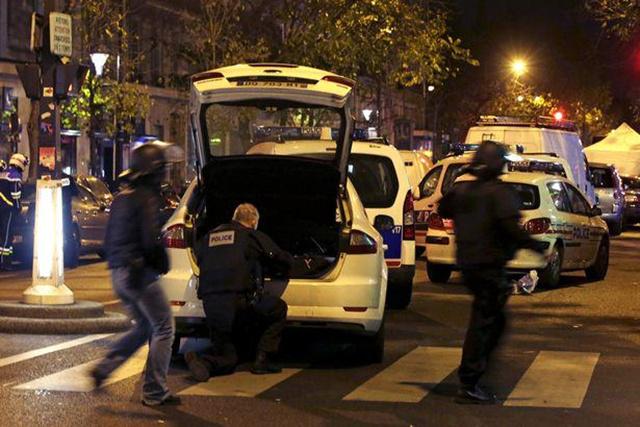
[[174, 237], [408, 218], [207, 75], [538, 225], [355, 309], [435, 222], [177, 303], [361, 243]]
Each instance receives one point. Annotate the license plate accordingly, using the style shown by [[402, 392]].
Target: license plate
[[272, 84]]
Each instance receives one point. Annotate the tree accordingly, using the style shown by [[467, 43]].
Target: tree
[[620, 17]]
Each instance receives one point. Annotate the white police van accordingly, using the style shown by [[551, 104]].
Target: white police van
[[309, 206], [378, 174]]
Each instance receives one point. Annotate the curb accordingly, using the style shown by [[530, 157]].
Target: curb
[[110, 322], [78, 310]]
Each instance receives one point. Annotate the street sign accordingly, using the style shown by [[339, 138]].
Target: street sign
[[60, 38]]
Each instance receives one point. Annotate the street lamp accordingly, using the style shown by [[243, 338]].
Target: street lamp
[[519, 67], [431, 88], [98, 60]]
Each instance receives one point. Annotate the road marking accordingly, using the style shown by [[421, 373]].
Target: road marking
[[555, 379], [241, 384], [50, 349], [77, 379], [411, 377]]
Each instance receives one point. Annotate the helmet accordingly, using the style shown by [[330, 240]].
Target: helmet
[[147, 160], [490, 159], [20, 161]]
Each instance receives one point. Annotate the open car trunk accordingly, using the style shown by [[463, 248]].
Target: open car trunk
[[296, 198]]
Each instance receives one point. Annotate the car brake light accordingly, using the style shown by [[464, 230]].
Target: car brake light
[[340, 80], [207, 75], [538, 225], [361, 243], [177, 303], [174, 237], [355, 309], [435, 222], [408, 218]]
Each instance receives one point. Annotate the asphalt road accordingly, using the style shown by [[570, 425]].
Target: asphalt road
[[570, 358]]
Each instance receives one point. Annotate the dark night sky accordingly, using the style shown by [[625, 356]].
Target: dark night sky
[[565, 48]]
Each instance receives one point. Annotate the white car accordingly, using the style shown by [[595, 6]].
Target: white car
[[308, 206], [417, 164], [377, 172], [554, 211], [442, 176]]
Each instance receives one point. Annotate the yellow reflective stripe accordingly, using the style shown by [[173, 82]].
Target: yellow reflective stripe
[[7, 201]]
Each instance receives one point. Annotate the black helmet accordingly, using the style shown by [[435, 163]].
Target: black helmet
[[146, 160], [490, 159]]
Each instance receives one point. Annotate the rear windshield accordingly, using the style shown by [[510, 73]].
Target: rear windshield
[[528, 196], [602, 177], [375, 180], [231, 129]]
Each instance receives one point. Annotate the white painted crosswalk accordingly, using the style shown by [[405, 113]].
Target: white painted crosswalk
[[554, 379]]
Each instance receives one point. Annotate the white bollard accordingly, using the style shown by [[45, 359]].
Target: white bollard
[[48, 286]]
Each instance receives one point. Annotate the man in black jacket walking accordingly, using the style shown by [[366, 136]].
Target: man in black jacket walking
[[486, 219], [232, 260], [136, 258]]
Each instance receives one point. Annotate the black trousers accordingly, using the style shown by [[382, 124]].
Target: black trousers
[[6, 235], [490, 290], [228, 314]]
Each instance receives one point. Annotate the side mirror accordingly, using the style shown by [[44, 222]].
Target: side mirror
[[595, 211], [383, 223]]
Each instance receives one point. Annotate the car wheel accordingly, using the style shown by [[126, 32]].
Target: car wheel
[[72, 254], [399, 295], [615, 229], [550, 275], [372, 347], [438, 273], [598, 271]]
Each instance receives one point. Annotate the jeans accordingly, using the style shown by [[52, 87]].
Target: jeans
[[149, 308], [488, 321]]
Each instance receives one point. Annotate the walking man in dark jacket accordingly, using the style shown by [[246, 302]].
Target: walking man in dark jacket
[[136, 257], [232, 260], [486, 219]]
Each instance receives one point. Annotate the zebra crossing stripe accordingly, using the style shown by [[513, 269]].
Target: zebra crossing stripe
[[410, 378], [240, 384], [555, 379], [77, 379]]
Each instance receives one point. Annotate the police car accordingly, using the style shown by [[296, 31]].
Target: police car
[[378, 174], [554, 211], [308, 206], [441, 177]]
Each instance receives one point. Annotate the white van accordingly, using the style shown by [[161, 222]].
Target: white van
[[542, 135]]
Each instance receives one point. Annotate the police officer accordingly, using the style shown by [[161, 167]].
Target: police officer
[[136, 257], [486, 217], [10, 195], [233, 259]]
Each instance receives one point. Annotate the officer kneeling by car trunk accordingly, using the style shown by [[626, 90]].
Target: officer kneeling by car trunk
[[233, 260]]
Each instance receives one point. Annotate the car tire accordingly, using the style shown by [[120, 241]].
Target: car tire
[[615, 229], [72, 255], [399, 296], [438, 273], [598, 271], [550, 275], [372, 347]]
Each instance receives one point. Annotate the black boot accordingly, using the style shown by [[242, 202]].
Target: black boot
[[475, 395], [263, 366], [198, 367]]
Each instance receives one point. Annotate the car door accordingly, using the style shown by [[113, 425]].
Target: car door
[[426, 204], [583, 229], [563, 223]]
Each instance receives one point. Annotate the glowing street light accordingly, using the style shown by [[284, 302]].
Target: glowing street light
[[519, 67], [431, 88], [98, 60]]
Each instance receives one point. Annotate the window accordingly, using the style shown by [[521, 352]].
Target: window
[[602, 177], [430, 182], [559, 196], [578, 203], [84, 194], [375, 180], [450, 176], [528, 196]]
